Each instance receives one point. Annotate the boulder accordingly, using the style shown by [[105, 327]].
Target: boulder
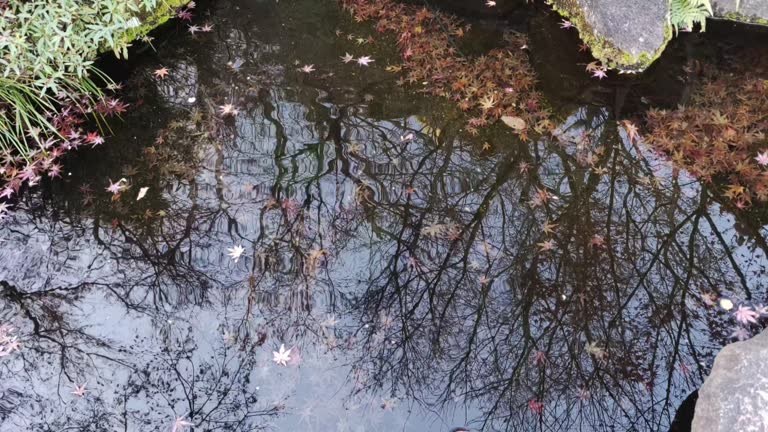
[[623, 34], [735, 395], [165, 10], [748, 11], [627, 35], [630, 34]]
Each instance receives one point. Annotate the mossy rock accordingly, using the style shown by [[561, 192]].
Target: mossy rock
[[166, 10], [746, 11], [623, 34], [629, 35]]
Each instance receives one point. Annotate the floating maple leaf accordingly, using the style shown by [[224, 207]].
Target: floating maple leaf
[[117, 187], [282, 356], [180, 424], [79, 391], [488, 102], [307, 68], [523, 167], [761, 310], [740, 333], [228, 110], [546, 245], [597, 241], [762, 158], [94, 139], [631, 129], [596, 350], [549, 227], [235, 252], [365, 61], [599, 74], [184, 15], [161, 73], [388, 404], [745, 315], [347, 57], [433, 230], [535, 406], [593, 66]]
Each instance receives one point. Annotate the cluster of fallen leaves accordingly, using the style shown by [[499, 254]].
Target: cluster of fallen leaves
[[43, 160], [720, 134], [167, 157], [71, 121], [497, 86]]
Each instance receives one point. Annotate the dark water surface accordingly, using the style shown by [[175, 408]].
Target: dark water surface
[[423, 280]]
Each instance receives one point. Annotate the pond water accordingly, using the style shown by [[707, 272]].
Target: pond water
[[422, 279]]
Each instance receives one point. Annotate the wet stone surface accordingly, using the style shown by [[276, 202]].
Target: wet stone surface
[[735, 394], [338, 254], [633, 27], [754, 11]]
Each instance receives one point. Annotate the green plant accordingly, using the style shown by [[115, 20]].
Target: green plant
[[686, 13], [48, 50]]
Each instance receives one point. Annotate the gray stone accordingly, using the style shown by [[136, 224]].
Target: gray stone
[[626, 34], [751, 11], [735, 395], [631, 34], [635, 27]]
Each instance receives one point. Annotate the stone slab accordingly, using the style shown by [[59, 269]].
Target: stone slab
[[752, 11], [624, 34], [735, 395]]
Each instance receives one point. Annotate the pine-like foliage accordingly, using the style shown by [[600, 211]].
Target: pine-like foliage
[[685, 13]]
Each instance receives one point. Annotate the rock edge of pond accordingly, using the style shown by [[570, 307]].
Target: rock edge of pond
[[627, 35], [735, 393]]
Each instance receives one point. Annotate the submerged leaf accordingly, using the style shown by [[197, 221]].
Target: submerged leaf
[[515, 123]]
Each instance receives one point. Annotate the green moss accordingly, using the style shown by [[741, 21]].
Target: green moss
[[735, 16], [165, 11], [611, 56]]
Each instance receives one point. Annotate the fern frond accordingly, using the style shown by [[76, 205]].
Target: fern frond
[[686, 13]]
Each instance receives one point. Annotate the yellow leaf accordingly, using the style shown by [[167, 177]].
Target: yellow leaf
[[734, 191]]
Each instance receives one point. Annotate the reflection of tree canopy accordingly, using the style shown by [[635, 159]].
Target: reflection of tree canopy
[[572, 272], [605, 326]]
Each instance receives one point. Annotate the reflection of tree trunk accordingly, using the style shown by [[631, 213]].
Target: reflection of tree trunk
[[281, 140]]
